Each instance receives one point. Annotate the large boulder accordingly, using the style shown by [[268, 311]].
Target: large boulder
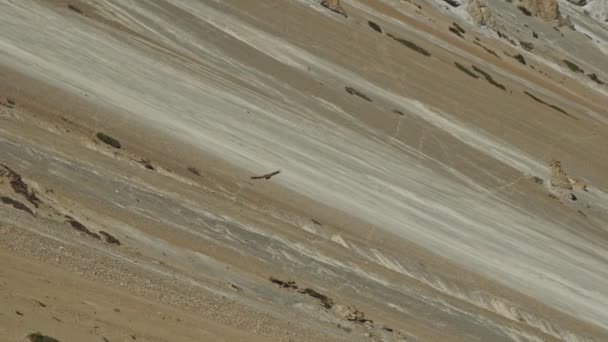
[[481, 13]]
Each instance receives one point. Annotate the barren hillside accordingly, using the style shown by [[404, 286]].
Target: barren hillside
[[304, 170]]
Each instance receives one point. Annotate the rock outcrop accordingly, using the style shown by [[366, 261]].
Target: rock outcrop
[[559, 179], [545, 9], [481, 13], [334, 6], [565, 22], [349, 313]]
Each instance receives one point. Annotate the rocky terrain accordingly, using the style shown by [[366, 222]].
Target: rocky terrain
[[303, 170]]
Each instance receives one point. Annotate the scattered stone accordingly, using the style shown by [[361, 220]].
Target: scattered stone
[[334, 6], [349, 313], [108, 140], [19, 313], [398, 112], [572, 197], [547, 10]]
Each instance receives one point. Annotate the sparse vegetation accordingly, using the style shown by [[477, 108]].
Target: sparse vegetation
[[596, 79], [411, 45], [284, 284], [38, 337], [455, 31], [504, 36], [524, 10], [147, 164], [458, 27], [194, 171], [573, 67], [355, 92], [326, 302], [109, 238], [549, 105], [108, 140], [374, 26], [526, 45], [81, 228], [20, 187], [75, 9], [465, 70], [490, 51], [16, 204], [489, 78]]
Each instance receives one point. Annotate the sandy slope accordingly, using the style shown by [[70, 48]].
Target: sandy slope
[[429, 222]]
